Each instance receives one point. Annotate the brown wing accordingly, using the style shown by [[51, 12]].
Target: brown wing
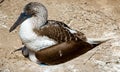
[[70, 44], [62, 52], [59, 32]]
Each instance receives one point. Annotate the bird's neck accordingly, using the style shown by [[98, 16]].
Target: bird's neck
[[37, 22], [26, 29]]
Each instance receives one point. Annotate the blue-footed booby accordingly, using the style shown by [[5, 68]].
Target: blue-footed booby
[[49, 41]]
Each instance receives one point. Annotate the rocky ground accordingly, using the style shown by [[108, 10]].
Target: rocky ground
[[95, 18]]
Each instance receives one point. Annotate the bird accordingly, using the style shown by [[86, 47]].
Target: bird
[[49, 41]]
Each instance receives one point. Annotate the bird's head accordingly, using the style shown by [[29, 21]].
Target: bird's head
[[32, 9]]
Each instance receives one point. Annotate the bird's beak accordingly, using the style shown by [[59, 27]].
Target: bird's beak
[[21, 18]]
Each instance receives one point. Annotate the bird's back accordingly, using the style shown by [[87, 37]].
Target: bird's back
[[59, 32]]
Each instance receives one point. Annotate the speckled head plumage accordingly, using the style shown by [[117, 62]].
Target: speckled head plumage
[[35, 8]]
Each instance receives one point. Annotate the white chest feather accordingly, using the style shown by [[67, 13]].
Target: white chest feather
[[31, 40], [40, 43]]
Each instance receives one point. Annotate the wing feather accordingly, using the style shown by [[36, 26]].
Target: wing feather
[[58, 31]]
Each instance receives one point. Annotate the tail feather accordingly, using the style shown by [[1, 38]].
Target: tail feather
[[97, 41]]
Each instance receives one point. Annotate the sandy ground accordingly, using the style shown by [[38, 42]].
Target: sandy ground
[[95, 18]]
